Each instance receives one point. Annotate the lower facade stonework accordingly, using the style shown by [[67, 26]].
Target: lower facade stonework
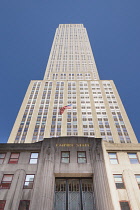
[[70, 173]]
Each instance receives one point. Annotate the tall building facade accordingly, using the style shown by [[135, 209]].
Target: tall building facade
[[71, 77], [78, 160]]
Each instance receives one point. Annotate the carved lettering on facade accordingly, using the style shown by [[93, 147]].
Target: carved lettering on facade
[[72, 145]]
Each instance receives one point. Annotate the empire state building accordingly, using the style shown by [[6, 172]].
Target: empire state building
[[71, 78], [72, 146]]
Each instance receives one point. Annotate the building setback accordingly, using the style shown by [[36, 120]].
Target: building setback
[[71, 77], [72, 146]]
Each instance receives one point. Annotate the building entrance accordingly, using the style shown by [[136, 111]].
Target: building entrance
[[74, 194]]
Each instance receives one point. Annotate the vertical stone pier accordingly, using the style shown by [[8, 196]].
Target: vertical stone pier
[[131, 186], [15, 191], [103, 200], [43, 197]]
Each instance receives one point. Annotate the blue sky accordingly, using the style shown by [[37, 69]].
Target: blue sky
[[26, 33]]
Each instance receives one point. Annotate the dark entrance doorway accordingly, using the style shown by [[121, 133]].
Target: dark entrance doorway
[[74, 194]]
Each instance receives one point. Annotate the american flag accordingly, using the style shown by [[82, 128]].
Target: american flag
[[62, 109]]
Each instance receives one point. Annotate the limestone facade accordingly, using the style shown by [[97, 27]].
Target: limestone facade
[[96, 166]]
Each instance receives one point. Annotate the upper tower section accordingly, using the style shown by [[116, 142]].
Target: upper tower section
[[71, 78], [71, 55]]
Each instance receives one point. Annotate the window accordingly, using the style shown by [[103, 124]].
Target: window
[[65, 157], [133, 158], [34, 158], [113, 157], [138, 179], [81, 157], [124, 205], [2, 204], [29, 180], [6, 181], [119, 181], [2, 156], [14, 158], [24, 205]]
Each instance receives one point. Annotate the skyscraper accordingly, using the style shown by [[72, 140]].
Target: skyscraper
[[76, 158], [71, 78]]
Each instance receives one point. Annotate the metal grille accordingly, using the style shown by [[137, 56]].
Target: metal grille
[[60, 195], [87, 194], [74, 194]]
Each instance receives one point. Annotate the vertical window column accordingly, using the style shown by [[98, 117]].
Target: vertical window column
[[39, 129], [103, 122], [87, 121], [24, 125], [72, 112], [58, 103]]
